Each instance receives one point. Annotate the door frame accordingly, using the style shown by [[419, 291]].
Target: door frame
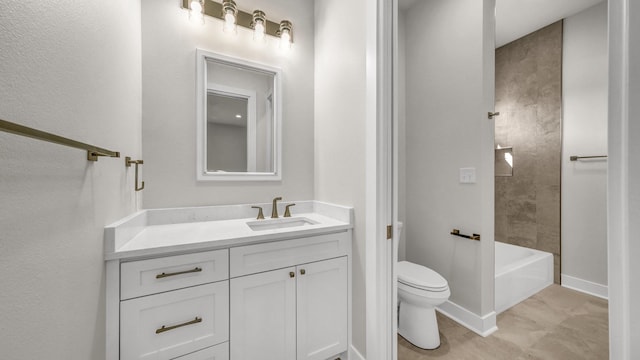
[[381, 340], [620, 175], [380, 184]]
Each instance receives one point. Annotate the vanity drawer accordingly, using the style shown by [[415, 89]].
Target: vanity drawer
[[175, 323], [145, 277], [252, 259], [218, 352]]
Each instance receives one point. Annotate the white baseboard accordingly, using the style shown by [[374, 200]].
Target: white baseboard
[[585, 286], [481, 325], [354, 354]]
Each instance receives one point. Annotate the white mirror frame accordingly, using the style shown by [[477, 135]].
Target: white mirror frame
[[201, 117]]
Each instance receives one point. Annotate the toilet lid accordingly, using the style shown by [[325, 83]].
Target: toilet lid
[[420, 277]]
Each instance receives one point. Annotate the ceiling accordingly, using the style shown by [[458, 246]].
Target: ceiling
[[516, 18], [229, 110]]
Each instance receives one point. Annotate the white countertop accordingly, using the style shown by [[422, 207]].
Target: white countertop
[[167, 231]]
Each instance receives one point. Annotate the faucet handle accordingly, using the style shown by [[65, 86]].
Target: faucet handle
[[287, 213], [260, 214]]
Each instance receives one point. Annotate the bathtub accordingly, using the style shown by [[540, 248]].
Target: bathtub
[[520, 273]]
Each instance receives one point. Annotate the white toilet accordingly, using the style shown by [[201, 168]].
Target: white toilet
[[420, 290]]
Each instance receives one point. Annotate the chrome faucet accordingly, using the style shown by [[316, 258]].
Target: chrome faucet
[[274, 208]]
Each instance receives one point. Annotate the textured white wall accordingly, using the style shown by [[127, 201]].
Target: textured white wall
[[340, 87], [71, 68], [447, 70], [584, 132], [169, 41]]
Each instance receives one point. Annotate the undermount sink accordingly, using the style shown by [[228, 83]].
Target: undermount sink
[[282, 223]]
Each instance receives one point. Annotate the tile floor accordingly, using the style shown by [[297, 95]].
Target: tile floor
[[556, 323]]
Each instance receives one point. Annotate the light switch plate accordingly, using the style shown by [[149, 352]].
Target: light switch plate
[[468, 175]]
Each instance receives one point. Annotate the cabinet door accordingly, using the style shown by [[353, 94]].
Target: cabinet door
[[322, 309], [263, 316]]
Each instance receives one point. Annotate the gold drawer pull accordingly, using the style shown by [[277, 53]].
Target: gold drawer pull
[[292, 274], [164, 275], [167, 328]]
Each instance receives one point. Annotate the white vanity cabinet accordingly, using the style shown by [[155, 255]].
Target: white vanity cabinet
[[189, 284], [297, 312]]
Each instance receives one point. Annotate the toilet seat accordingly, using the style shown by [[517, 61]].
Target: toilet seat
[[420, 277]]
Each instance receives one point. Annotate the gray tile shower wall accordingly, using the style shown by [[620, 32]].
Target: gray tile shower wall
[[529, 99]]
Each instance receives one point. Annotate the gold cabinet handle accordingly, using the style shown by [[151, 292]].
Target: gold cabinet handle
[[164, 275], [303, 271], [292, 274], [167, 328]]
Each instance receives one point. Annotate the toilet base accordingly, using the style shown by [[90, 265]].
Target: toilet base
[[419, 326]]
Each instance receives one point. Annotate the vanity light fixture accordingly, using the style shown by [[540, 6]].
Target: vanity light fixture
[[258, 25], [229, 12], [196, 11], [285, 34], [233, 17]]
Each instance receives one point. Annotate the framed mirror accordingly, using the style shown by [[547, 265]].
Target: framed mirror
[[238, 119]]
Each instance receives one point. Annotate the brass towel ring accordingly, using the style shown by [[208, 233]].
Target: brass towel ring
[[128, 163]]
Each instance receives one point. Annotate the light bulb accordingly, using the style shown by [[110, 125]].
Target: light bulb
[[229, 21], [196, 14], [196, 6], [258, 25], [285, 40], [285, 34], [229, 10], [258, 31]]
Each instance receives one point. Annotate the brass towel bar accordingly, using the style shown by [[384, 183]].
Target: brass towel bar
[[576, 158], [456, 232], [93, 152]]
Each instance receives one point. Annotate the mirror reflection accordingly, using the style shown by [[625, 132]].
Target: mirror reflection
[[240, 134], [227, 133]]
